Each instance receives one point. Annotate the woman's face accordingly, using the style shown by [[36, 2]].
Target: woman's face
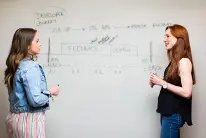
[[34, 48], [169, 39]]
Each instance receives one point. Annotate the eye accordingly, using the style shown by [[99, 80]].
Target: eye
[[167, 36]]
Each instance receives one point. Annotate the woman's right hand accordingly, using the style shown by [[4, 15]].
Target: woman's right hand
[[54, 90], [151, 84]]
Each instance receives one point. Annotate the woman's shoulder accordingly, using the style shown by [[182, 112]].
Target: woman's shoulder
[[185, 61], [27, 64], [185, 64]]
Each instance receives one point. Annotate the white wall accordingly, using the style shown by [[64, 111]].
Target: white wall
[[105, 92]]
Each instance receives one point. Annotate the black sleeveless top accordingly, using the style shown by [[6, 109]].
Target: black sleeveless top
[[169, 103]]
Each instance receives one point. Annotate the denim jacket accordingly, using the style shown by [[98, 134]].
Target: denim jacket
[[29, 93]]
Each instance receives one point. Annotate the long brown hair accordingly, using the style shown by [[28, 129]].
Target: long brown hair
[[22, 38], [180, 50]]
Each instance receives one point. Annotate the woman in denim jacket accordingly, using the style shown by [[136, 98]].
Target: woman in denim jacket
[[27, 87]]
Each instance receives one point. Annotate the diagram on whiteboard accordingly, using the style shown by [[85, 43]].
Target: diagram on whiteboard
[[101, 48]]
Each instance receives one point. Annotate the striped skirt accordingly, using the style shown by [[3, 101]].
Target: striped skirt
[[26, 125]]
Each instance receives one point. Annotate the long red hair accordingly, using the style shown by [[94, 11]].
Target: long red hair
[[180, 50]]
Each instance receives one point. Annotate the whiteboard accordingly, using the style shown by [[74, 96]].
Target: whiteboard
[[101, 54]]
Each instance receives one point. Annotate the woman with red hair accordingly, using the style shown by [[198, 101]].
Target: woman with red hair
[[175, 97]]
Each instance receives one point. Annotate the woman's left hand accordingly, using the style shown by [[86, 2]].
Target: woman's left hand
[[156, 80]]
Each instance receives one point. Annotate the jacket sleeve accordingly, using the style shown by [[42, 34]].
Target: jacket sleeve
[[32, 85]]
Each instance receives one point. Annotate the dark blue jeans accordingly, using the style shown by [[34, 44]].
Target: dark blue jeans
[[170, 126]]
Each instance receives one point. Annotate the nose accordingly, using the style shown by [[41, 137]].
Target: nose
[[165, 39]]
